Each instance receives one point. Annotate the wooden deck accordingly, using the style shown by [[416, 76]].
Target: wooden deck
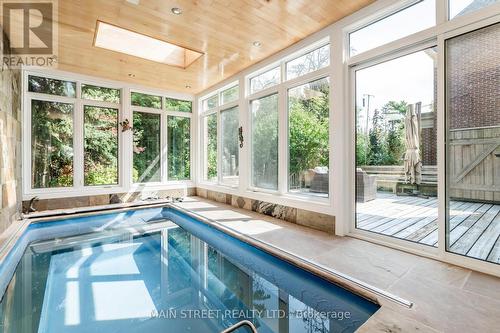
[[475, 227]]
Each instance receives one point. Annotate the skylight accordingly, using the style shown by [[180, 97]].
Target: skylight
[[121, 40]]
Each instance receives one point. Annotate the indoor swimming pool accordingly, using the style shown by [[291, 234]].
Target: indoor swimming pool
[[159, 270]]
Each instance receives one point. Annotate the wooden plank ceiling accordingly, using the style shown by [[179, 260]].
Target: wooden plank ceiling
[[224, 30]]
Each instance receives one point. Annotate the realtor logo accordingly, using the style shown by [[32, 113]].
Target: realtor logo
[[28, 33]]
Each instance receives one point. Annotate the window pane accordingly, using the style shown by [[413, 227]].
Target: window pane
[[210, 126], [179, 150], [145, 100], [101, 145], [265, 142], [146, 148], [210, 103], [100, 93], [51, 144], [308, 123], [473, 136], [265, 80], [461, 7], [230, 95], [308, 63], [178, 105], [408, 21], [44, 85], [230, 146], [396, 156]]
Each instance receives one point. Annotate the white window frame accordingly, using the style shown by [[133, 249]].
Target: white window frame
[[203, 114], [280, 196], [125, 139], [341, 118], [281, 89], [434, 36], [163, 136]]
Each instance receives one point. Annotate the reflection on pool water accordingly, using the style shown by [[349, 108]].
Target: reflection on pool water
[[165, 279]]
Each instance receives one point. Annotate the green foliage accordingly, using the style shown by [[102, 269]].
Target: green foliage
[[265, 142], [308, 129], [45, 85], [145, 100], [52, 144], [230, 146], [173, 104], [230, 94], [377, 151], [100, 145], [178, 130], [212, 146], [385, 143], [100, 94], [362, 149], [52, 137], [396, 147], [393, 106], [146, 160]]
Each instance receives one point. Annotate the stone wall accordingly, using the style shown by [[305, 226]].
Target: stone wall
[[106, 199], [10, 147], [303, 217]]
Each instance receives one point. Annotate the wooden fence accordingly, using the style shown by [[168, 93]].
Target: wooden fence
[[473, 167], [474, 164]]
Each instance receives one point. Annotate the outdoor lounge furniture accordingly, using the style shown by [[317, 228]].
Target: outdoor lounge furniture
[[366, 186], [319, 182]]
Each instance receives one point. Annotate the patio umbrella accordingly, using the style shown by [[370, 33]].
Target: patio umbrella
[[412, 162]]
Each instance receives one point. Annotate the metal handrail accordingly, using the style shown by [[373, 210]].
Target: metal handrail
[[240, 324]]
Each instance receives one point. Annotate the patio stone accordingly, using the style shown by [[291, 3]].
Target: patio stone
[[315, 220]]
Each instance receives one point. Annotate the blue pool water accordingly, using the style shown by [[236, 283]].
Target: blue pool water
[[158, 270]]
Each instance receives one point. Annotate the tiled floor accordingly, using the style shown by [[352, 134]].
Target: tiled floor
[[475, 227], [446, 298]]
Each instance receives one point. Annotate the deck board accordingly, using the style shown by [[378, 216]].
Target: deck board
[[475, 227]]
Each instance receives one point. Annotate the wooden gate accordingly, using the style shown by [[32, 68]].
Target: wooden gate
[[474, 164]]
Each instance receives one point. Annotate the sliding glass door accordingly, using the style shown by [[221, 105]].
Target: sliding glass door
[[396, 148], [473, 150]]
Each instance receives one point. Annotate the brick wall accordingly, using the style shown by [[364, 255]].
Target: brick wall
[[429, 146], [10, 146], [473, 70]]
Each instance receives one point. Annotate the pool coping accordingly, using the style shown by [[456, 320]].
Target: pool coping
[[345, 281]]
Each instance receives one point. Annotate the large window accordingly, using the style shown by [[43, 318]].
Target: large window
[[51, 144], [79, 137], [264, 125], [210, 125], [308, 126], [43, 85], [229, 145], [309, 62], [154, 115], [146, 147], [393, 27], [173, 104], [179, 148], [53, 134], [473, 136], [265, 80], [219, 131], [146, 100], [396, 155], [94, 93], [291, 158], [100, 145]]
